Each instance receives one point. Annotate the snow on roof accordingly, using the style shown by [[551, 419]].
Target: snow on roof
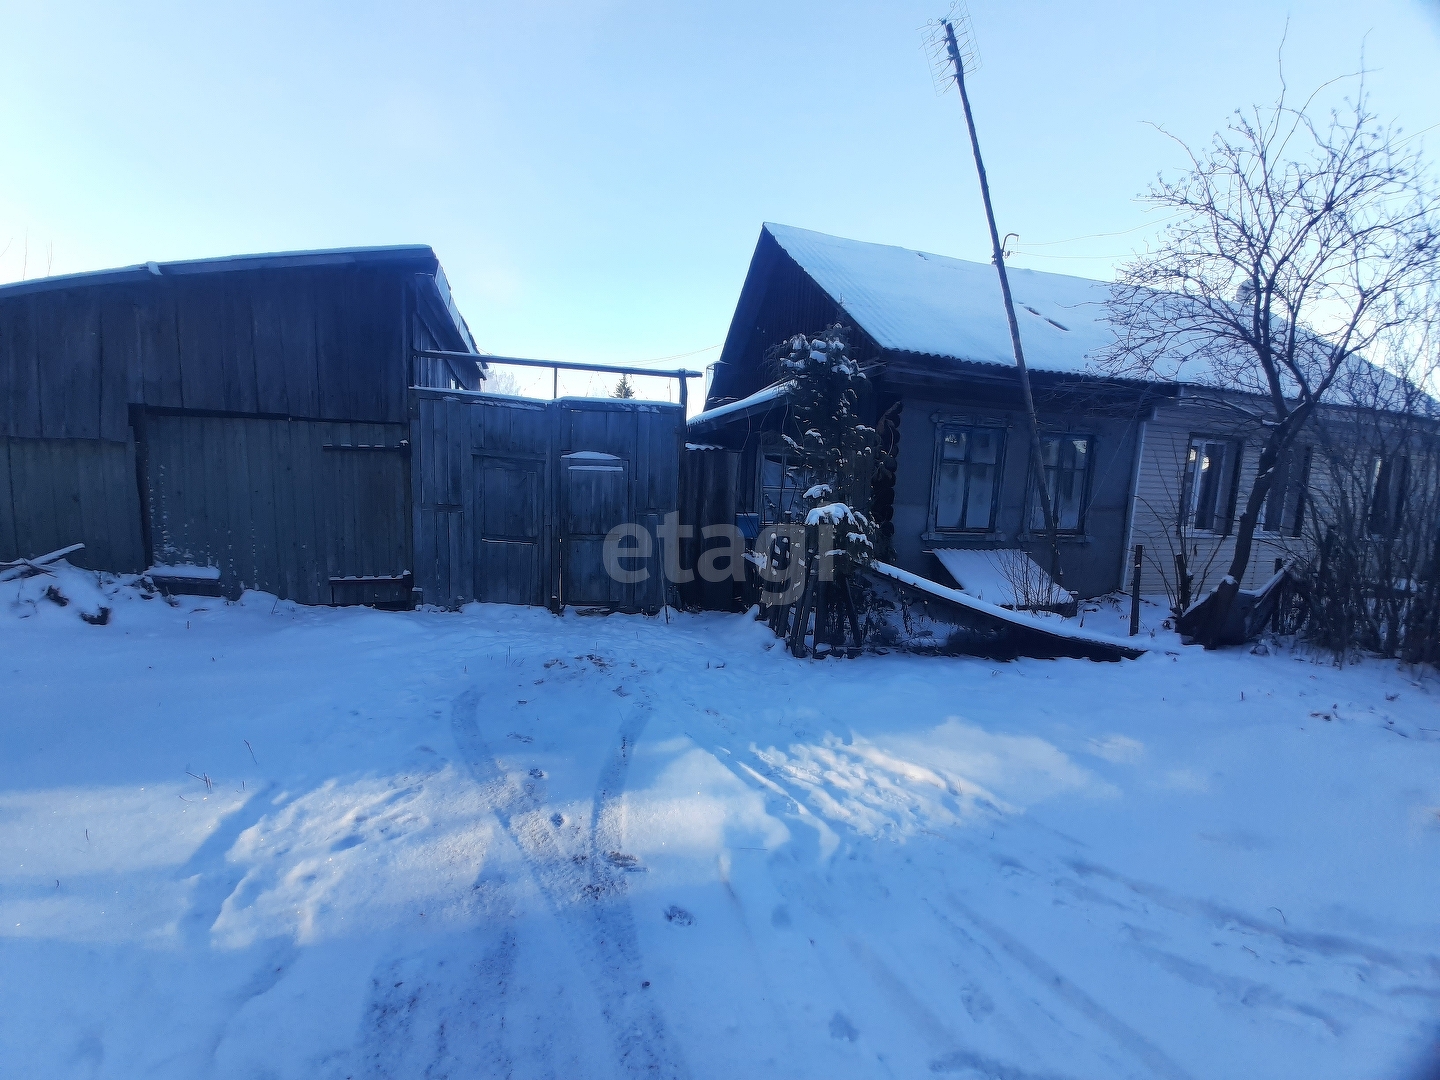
[[999, 576], [225, 263], [1056, 627], [913, 301], [743, 405]]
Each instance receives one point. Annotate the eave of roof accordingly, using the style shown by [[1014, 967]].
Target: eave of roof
[[421, 254], [758, 402]]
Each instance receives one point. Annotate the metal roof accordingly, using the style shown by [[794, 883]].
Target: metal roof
[[359, 256]]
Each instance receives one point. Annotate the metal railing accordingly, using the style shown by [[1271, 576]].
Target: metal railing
[[682, 374]]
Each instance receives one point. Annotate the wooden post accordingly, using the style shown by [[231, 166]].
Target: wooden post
[[684, 394], [1135, 590], [855, 631], [800, 623], [1275, 620]]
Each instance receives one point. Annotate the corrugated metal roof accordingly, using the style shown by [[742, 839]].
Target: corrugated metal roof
[[760, 401], [402, 253], [913, 301]]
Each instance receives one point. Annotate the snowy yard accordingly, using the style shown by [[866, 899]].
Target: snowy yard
[[258, 840]]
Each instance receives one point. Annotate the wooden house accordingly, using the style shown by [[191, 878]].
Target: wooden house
[[1127, 462]]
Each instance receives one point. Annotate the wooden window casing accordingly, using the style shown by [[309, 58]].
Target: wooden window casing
[[1284, 513], [965, 488], [781, 489], [1068, 461], [1212, 475]]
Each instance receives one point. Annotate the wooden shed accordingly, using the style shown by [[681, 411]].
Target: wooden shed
[[245, 417], [311, 425]]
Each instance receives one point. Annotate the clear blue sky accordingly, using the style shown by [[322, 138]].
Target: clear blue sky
[[594, 176]]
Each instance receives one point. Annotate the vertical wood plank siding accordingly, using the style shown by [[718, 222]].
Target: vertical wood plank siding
[[57, 492], [242, 377], [282, 506], [709, 495], [323, 343], [486, 476]]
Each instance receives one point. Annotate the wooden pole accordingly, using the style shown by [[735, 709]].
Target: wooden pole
[[1275, 621], [1135, 591], [1036, 455]]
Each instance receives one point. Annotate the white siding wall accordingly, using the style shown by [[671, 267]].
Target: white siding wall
[[1159, 484]]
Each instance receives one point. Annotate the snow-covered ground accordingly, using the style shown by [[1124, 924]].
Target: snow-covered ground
[[257, 840]]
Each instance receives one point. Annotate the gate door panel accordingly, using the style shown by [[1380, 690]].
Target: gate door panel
[[313, 511], [509, 543], [594, 497]]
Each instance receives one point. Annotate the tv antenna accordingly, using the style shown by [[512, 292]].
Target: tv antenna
[[950, 44]]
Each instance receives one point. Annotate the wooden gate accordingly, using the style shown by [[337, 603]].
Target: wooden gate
[[310, 510], [510, 530], [594, 498], [514, 498]]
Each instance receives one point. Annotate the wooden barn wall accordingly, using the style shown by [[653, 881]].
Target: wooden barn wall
[[58, 492], [710, 490], [283, 506], [461, 444], [315, 343]]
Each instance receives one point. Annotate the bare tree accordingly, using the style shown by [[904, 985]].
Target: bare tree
[[1375, 583], [1297, 245]]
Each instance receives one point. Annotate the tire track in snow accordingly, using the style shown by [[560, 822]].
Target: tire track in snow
[[1072, 995], [798, 789], [585, 892]]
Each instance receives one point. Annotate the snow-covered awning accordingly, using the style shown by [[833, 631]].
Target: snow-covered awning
[[758, 402], [1004, 576]]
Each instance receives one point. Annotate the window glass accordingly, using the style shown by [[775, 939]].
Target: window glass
[[967, 477], [1067, 466], [1274, 521], [1388, 498], [781, 487], [1208, 466], [1285, 501]]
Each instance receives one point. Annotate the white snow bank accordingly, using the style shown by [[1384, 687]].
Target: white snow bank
[[256, 839]]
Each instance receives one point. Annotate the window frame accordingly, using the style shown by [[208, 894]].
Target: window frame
[[1226, 492], [1032, 504], [1292, 511], [944, 424], [779, 454], [1392, 480]]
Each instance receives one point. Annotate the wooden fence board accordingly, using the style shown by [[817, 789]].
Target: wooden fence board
[[9, 547]]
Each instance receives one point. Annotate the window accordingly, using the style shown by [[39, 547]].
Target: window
[[967, 477], [1387, 499], [1210, 470], [1285, 501], [780, 489], [1067, 479]]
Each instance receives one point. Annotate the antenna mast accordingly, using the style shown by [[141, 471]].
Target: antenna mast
[[957, 62]]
